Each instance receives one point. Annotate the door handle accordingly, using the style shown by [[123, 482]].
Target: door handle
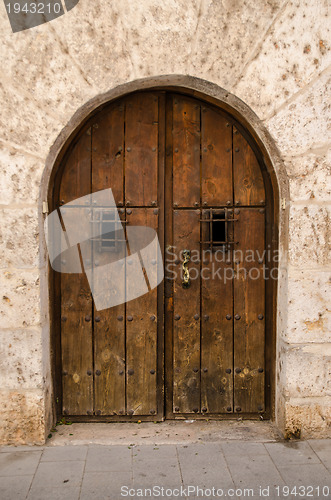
[[186, 273]]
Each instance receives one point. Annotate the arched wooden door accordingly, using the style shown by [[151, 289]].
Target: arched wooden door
[[186, 169]]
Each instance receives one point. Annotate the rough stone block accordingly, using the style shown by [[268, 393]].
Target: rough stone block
[[303, 124], [310, 176], [19, 300], [293, 51], [20, 176], [22, 417], [309, 241], [309, 418], [19, 238], [309, 315], [21, 358], [308, 370]]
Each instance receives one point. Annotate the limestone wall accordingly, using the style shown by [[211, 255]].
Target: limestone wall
[[272, 54]]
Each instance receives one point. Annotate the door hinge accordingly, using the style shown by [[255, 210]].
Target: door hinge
[[45, 207]]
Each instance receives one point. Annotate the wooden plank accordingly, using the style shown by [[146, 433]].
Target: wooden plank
[[76, 175], [248, 180], [107, 151], [76, 338], [109, 324], [76, 300], [141, 330], [141, 149], [186, 152], [249, 310], [216, 324], [216, 159], [186, 336]]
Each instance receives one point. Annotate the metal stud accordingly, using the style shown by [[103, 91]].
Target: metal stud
[[120, 318], [228, 370], [237, 202], [65, 412], [121, 372], [205, 370], [152, 372], [97, 319], [98, 412], [260, 316], [153, 149], [204, 409], [228, 124], [196, 204], [195, 410], [175, 204], [177, 317], [229, 408], [176, 408], [98, 372], [64, 319], [153, 203], [155, 211], [238, 408], [196, 316], [130, 372], [128, 202], [87, 318], [65, 373], [228, 150], [128, 149], [228, 202], [130, 318], [238, 370], [228, 317], [236, 211], [129, 211], [120, 204], [89, 372], [237, 150], [260, 370], [205, 203], [262, 202], [176, 150], [89, 412], [206, 317], [237, 317], [152, 412], [195, 370], [130, 412], [152, 318], [261, 210], [260, 408], [153, 262]]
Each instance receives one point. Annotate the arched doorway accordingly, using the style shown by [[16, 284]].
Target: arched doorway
[[190, 170]]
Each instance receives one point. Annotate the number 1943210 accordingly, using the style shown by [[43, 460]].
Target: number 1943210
[[34, 8]]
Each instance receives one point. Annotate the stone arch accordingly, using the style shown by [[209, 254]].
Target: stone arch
[[279, 188]]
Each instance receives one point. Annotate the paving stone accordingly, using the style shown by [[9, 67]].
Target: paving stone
[[58, 475], [205, 462], [46, 493], [163, 452], [322, 448], [291, 453], [64, 453], [108, 458], [253, 472], [308, 475], [104, 485], [19, 463], [14, 487], [236, 448]]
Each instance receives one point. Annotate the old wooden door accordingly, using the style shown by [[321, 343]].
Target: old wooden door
[[193, 346]]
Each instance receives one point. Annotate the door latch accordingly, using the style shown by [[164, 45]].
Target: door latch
[[186, 273]]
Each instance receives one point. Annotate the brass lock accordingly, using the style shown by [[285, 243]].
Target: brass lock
[[186, 283]]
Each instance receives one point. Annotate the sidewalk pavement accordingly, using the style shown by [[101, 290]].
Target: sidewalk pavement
[[238, 469]]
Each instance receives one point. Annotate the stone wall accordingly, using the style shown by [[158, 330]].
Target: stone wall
[[272, 54]]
